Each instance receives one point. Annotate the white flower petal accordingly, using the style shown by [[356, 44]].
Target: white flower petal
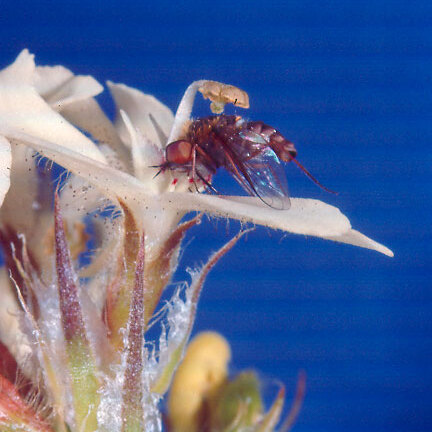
[[111, 182], [73, 97], [138, 107], [21, 70], [88, 116], [356, 238], [305, 216], [22, 198], [145, 156], [60, 87], [76, 89], [5, 167], [23, 109], [48, 79]]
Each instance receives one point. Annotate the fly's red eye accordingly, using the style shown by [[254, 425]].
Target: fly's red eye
[[179, 152]]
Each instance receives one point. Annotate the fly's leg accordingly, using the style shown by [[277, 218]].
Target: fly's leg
[[207, 183], [194, 171], [209, 164]]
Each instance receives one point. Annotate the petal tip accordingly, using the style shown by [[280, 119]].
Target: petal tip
[[387, 251], [356, 238]]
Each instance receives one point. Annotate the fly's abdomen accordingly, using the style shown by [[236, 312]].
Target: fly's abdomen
[[284, 149]]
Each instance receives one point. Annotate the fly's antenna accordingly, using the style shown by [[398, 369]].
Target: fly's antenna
[[312, 177]]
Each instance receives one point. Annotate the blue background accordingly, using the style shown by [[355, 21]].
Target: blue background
[[350, 83]]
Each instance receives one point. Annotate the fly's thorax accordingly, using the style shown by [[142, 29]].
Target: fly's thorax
[[211, 137]]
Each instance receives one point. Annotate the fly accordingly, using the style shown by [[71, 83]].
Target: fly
[[252, 152]]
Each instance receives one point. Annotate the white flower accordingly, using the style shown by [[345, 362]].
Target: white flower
[[83, 349], [36, 104]]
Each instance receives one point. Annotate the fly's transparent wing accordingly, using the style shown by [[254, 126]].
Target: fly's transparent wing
[[258, 170], [266, 179]]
